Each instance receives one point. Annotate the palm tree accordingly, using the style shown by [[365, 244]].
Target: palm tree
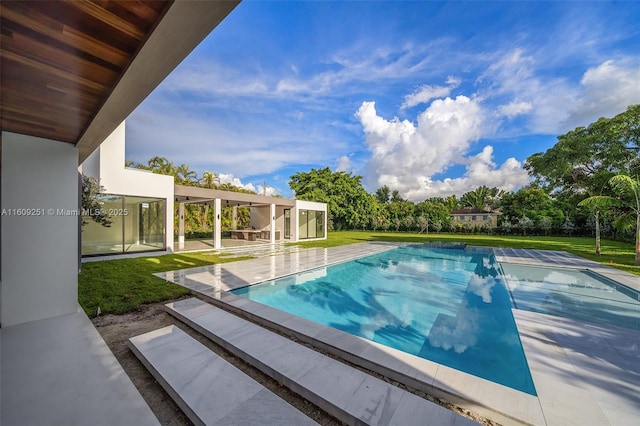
[[476, 199], [184, 175], [208, 180], [627, 191], [161, 166], [452, 203]]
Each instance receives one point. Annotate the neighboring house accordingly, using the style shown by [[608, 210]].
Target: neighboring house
[[475, 218]]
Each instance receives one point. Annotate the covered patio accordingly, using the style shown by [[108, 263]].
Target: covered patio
[[270, 218]]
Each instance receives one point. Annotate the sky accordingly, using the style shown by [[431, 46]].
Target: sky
[[429, 98]]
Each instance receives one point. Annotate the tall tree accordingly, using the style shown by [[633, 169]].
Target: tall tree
[[532, 203], [91, 206], [585, 159], [434, 211], [383, 194], [627, 189], [161, 166], [395, 196], [349, 205]]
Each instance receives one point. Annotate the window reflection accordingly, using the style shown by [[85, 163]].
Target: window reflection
[[137, 224]]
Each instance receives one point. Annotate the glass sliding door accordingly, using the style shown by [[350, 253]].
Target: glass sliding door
[[302, 225], [311, 224], [287, 224], [137, 224], [146, 224]]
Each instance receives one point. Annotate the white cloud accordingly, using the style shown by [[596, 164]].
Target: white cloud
[[508, 73], [515, 108], [426, 93], [259, 189], [555, 105], [405, 156], [210, 78], [480, 170], [344, 164], [359, 66], [605, 91]]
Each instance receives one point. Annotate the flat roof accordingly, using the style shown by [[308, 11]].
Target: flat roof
[[195, 195]]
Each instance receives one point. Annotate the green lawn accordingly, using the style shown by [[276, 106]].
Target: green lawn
[[120, 286]]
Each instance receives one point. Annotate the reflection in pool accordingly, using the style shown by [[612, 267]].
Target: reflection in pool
[[578, 294]]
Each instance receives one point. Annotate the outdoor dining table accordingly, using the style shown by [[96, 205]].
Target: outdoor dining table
[[245, 234]]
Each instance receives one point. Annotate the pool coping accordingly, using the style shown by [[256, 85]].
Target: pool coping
[[486, 398]]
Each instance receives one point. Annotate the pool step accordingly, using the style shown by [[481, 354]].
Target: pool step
[[350, 395], [208, 389]]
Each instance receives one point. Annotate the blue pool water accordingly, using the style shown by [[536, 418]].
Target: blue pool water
[[449, 306]]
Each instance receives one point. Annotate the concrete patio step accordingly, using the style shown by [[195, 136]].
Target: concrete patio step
[[350, 395], [208, 389]]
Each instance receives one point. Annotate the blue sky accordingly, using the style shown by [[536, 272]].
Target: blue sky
[[429, 98]]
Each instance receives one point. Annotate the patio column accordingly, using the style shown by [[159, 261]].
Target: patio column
[[181, 226], [272, 218], [217, 234], [234, 217]]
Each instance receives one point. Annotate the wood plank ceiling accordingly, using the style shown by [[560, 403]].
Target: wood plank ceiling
[[60, 60]]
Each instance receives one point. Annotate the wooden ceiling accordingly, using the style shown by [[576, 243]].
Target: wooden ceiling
[[60, 60]]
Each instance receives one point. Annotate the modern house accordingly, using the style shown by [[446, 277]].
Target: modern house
[[71, 72], [475, 218], [142, 205]]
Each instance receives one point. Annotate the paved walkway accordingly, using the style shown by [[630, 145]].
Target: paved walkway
[[582, 373], [59, 371]]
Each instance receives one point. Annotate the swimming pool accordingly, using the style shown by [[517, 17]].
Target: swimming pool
[[446, 305]]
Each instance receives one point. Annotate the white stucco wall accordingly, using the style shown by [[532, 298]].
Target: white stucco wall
[[107, 164], [39, 253]]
